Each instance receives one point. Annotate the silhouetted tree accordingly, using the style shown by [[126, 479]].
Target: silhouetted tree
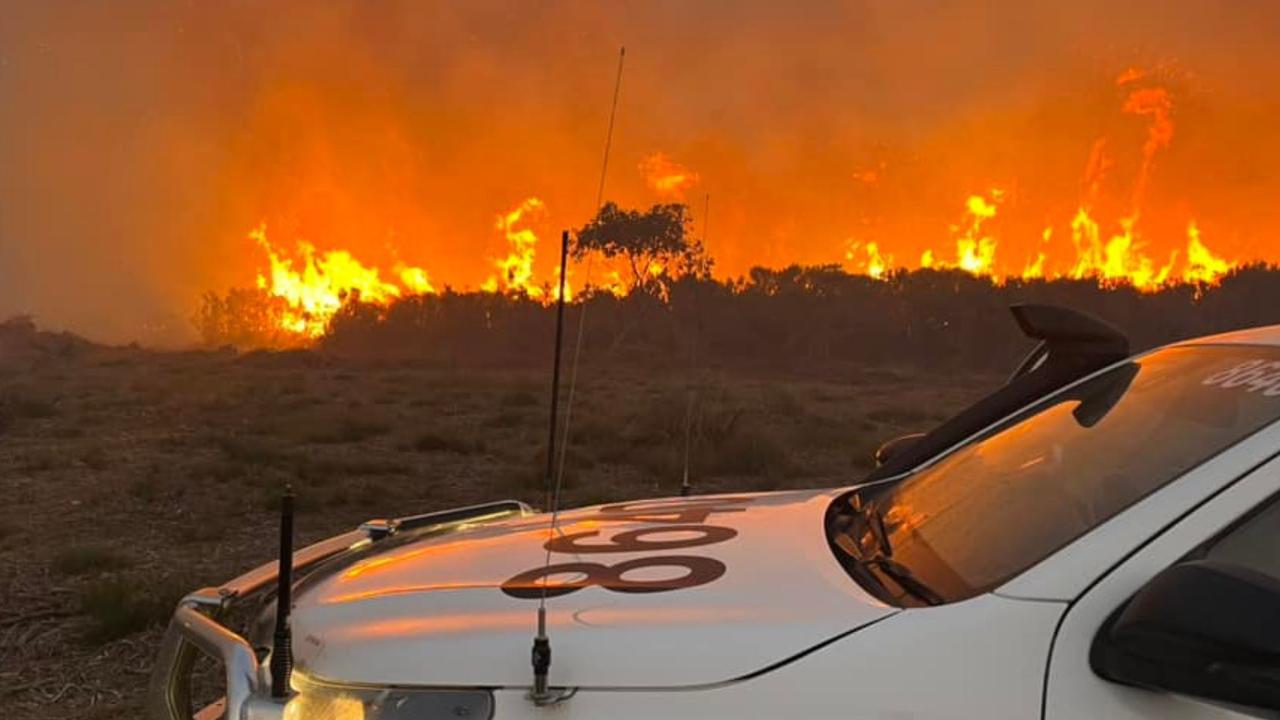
[[653, 243]]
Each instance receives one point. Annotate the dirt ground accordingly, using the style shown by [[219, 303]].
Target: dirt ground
[[129, 477]]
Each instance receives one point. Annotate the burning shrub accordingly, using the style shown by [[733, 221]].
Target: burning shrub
[[245, 318]]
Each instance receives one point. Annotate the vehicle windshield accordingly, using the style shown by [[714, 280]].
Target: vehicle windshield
[[1017, 493]]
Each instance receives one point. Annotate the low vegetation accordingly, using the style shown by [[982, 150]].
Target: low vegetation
[[797, 320], [116, 607], [432, 442]]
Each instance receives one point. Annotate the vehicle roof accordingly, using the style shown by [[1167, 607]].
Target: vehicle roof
[[1264, 335]]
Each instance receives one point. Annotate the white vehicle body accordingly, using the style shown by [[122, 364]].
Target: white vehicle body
[[781, 628]]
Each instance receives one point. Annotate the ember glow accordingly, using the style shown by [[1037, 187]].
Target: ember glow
[[667, 177]]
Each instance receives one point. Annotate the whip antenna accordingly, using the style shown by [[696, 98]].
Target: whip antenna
[[555, 372], [541, 655]]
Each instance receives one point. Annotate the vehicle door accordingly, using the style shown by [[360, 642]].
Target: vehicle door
[[1235, 534]]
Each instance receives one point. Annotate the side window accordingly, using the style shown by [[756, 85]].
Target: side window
[[1254, 542]]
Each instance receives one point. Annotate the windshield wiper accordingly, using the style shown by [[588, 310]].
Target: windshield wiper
[[902, 575], [881, 557], [874, 519]]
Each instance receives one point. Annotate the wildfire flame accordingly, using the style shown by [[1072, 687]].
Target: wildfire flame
[[516, 269], [1121, 257], [667, 177], [415, 279], [866, 259], [314, 285], [1095, 242], [975, 248], [317, 288]]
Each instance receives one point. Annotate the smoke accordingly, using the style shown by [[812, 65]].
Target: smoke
[[140, 141]]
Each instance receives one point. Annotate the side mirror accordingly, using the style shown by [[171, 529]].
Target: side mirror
[[1205, 629], [890, 448]]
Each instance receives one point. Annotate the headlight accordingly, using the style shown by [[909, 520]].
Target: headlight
[[322, 701]]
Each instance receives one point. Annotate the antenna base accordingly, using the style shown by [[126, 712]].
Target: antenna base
[[542, 694], [281, 666], [553, 696], [541, 657]]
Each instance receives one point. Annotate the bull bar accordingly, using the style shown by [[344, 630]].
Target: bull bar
[[196, 625]]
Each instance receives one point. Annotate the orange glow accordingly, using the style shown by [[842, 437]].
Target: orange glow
[[392, 561], [392, 590], [1130, 75], [310, 706], [667, 177], [518, 619], [468, 543], [871, 175]]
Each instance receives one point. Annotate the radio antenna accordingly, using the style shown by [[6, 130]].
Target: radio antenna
[[541, 655], [686, 485], [555, 373], [282, 641]]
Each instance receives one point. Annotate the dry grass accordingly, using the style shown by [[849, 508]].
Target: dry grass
[[438, 441], [87, 559], [115, 607], [130, 477]]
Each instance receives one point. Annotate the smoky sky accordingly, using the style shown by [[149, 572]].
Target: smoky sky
[[141, 140]]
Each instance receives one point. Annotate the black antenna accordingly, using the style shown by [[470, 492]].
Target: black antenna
[[686, 486], [282, 650], [555, 372], [541, 656], [541, 644]]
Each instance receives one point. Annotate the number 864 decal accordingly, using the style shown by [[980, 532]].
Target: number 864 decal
[[1252, 376], [685, 520]]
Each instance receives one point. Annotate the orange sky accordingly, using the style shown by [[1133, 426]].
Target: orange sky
[[141, 141]]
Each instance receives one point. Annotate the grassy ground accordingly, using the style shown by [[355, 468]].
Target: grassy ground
[[130, 477]]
